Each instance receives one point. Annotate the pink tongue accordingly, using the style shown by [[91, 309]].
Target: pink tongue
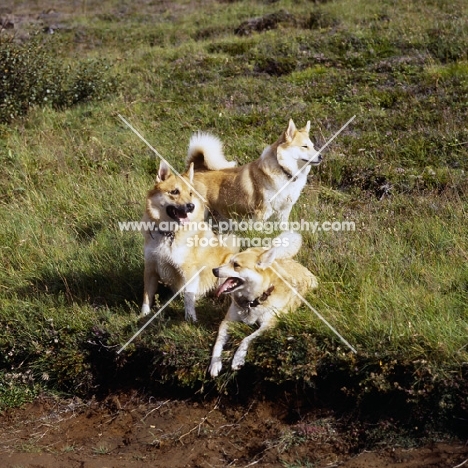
[[226, 285], [184, 220]]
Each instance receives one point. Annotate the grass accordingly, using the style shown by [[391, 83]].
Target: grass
[[396, 288], [101, 450], [68, 449]]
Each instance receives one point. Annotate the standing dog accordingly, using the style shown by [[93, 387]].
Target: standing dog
[[269, 185], [258, 293], [176, 246]]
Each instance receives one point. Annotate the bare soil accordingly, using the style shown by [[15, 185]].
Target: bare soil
[[134, 431]]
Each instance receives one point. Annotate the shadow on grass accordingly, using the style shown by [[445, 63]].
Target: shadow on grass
[[111, 284], [106, 287]]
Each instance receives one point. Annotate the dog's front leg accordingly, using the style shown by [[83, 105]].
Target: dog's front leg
[[216, 362], [239, 357], [189, 302], [151, 280], [190, 296]]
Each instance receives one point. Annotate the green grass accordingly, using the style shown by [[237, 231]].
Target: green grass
[[396, 288]]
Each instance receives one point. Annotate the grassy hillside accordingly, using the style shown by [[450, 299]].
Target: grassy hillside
[[396, 288]]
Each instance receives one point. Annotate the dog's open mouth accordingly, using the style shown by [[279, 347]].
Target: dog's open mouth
[[229, 286], [178, 214]]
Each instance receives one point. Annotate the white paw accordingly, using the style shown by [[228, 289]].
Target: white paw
[[145, 309], [238, 360], [215, 367], [190, 316]]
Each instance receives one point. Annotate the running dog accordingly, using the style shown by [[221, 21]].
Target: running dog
[[179, 243], [265, 187], [262, 283]]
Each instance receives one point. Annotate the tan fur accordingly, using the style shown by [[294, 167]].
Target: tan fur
[[174, 261], [247, 190], [261, 281]]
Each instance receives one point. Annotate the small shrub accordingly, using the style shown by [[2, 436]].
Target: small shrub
[[88, 81], [31, 74]]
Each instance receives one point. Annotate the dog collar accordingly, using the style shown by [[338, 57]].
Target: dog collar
[[288, 174], [167, 234], [257, 301]]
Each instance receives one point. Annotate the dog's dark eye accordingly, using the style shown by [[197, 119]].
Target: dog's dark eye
[[305, 146], [175, 192], [235, 265]]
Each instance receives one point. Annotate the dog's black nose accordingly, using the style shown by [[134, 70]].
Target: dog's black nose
[[189, 207], [215, 271], [320, 157]]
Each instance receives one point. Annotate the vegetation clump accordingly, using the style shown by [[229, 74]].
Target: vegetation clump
[[31, 74]]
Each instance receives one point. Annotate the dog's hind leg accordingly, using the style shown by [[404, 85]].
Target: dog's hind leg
[[283, 215], [151, 280], [262, 214]]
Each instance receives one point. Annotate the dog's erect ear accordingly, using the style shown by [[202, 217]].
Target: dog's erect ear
[[190, 172], [290, 131], [226, 259], [307, 127], [164, 171], [267, 258]]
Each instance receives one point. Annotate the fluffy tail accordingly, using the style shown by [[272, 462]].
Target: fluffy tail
[[285, 246], [205, 151], [288, 244]]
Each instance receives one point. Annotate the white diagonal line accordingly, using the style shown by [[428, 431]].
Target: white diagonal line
[[305, 165], [161, 309], [315, 312], [146, 142]]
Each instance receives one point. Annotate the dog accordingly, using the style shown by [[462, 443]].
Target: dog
[[259, 282], [178, 245], [268, 186]]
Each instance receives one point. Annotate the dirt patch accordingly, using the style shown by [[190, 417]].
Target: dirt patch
[[134, 431]]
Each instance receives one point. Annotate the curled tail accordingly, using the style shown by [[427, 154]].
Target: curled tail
[[205, 151], [285, 246], [288, 244]]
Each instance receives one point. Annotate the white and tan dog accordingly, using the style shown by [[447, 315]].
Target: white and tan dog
[[265, 187], [179, 243], [258, 293]]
